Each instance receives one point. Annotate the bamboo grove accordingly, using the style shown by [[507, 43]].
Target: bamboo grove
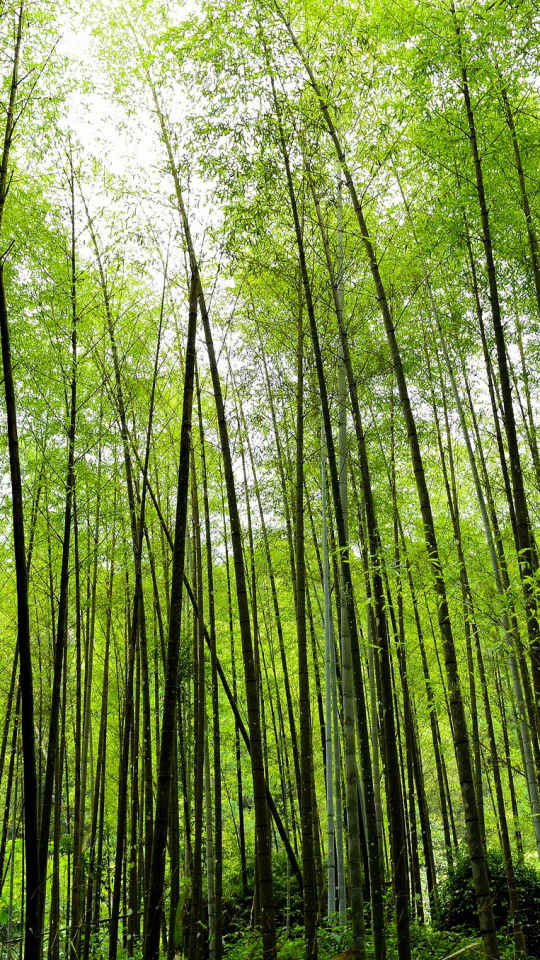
[[269, 318]]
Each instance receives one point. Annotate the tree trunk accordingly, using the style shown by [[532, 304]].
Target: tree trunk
[[32, 936], [216, 944], [61, 630], [306, 812], [168, 727]]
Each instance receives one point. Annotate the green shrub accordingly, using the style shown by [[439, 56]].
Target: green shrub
[[457, 908]]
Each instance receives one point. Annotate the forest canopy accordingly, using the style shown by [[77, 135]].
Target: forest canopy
[[269, 323]]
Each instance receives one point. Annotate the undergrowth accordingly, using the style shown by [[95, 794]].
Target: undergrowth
[[426, 944]]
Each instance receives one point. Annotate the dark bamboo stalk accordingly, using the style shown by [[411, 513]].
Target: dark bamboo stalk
[[277, 614], [61, 630], [196, 928], [168, 729], [306, 811], [218, 826], [31, 938]]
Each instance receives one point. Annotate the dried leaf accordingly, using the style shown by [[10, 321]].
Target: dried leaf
[[470, 946]]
